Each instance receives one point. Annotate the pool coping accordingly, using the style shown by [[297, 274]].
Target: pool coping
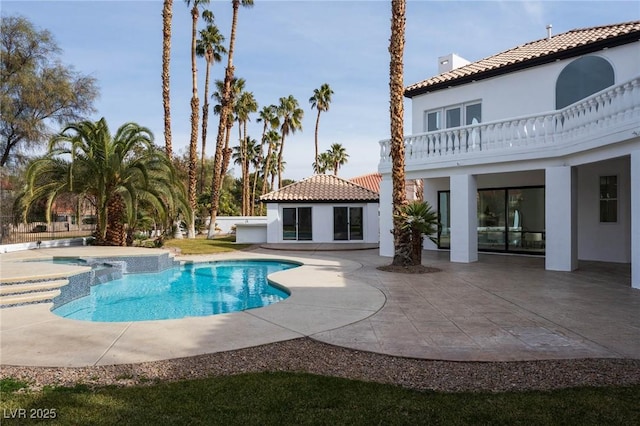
[[323, 298]]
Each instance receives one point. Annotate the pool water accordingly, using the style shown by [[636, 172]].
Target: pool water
[[187, 291]]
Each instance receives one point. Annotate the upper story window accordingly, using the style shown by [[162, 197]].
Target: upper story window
[[453, 116], [582, 78]]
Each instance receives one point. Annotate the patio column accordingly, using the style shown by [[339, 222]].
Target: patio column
[[561, 219], [386, 216], [635, 219], [464, 219]]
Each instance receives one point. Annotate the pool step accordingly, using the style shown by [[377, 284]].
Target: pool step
[[31, 292]]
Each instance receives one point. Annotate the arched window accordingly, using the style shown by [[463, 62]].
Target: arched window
[[581, 78]]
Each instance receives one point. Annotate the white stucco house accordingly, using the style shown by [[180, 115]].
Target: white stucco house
[[533, 150], [322, 209]]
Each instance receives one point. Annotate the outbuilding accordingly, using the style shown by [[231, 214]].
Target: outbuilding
[[322, 209]]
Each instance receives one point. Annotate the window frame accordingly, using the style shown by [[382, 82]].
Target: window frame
[[442, 121], [608, 199], [297, 224], [350, 226]]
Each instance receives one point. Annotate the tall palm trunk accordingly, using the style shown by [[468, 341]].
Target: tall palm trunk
[[205, 121], [317, 154], [167, 14], [252, 200], [402, 238], [226, 153], [193, 143], [245, 172], [267, 168], [115, 232], [280, 152], [225, 109]]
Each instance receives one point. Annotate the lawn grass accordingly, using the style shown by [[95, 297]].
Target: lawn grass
[[201, 245], [297, 398]]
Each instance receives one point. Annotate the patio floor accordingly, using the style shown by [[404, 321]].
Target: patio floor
[[501, 308]]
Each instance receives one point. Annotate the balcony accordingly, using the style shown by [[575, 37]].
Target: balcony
[[605, 118]]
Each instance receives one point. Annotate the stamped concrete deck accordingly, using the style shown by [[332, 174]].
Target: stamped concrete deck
[[501, 308]]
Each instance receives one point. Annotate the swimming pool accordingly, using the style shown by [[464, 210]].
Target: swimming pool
[[197, 289]]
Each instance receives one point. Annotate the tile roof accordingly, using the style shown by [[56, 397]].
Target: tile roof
[[572, 43], [370, 181], [321, 188]]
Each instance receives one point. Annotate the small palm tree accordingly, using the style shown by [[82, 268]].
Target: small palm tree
[[245, 105], [337, 156], [320, 100], [255, 156], [417, 218], [272, 139], [291, 115], [269, 117], [323, 164], [116, 173]]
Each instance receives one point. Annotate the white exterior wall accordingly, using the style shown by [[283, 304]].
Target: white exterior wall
[[609, 242], [386, 216], [560, 218], [525, 92], [635, 219], [464, 218], [322, 222], [274, 229], [605, 145], [251, 233], [225, 223]]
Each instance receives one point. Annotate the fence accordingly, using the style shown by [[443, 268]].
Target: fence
[[12, 233]]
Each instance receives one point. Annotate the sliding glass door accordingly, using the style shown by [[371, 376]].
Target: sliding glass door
[[509, 219], [296, 224], [347, 223], [444, 216], [491, 219]]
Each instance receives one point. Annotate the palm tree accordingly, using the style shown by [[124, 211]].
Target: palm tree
[[320, 100], [245, 105], [254, 154], [269, 117], [291, 115], [195, 107], [210, 47], [271, 138], [402, 237], [237, 86], [116, 173], [418, 219], [226, 107], [337, 157], [167, 13], [323, 163], [275, 169]]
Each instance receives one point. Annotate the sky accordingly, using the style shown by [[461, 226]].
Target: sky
[[291, 48]]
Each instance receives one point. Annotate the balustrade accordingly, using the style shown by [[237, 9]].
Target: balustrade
[[605, 110]]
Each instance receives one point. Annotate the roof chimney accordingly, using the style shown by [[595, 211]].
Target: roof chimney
[[549, 26], [450, 62]]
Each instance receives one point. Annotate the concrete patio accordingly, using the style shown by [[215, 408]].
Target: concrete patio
[[502, 308]]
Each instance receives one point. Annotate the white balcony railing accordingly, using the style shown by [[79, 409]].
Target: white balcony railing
[[603, 112]]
